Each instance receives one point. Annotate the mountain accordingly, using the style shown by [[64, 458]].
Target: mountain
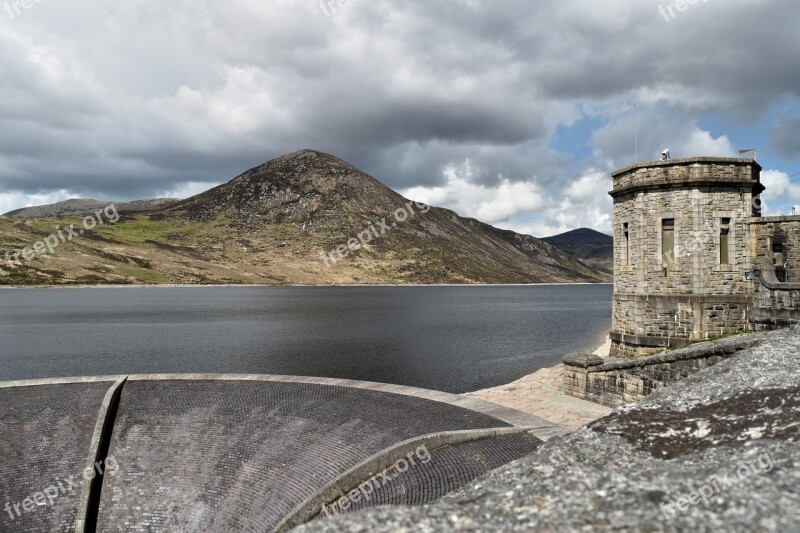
[[77, 206], [591, 247], [304, 218]]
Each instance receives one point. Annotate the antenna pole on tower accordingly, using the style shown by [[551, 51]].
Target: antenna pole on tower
[[635, 130]]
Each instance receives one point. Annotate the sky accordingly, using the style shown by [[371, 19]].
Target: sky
[[511, 111]]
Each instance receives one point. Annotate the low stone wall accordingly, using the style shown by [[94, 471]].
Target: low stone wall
[[616, 382]]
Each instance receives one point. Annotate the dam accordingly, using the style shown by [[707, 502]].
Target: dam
[[238, 452]]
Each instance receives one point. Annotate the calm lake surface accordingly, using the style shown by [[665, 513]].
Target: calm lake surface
[[454, 339]]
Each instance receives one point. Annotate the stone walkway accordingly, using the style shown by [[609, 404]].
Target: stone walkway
[[540, 394]]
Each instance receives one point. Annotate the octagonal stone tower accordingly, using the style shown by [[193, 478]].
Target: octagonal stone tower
[[682, 251]]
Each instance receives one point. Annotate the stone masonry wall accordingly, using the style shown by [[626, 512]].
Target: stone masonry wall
[[691, 295], [676, 318], [776, 301], [622, 350], [776, 304], [695, 268], [614, 383], [763, 232]]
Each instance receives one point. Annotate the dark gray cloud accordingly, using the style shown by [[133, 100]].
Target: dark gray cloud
[[786, 137], [124, 100]]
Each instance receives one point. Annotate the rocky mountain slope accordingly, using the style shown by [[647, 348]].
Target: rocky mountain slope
[[591, 247], [305, 218]]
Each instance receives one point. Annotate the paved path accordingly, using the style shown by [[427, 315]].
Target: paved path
[[540, 395]]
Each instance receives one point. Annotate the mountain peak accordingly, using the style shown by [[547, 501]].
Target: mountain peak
[[581, 235], [592, 247], [306, 187]]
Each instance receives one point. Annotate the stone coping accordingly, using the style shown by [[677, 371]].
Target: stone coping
[[540, 427], [59, 381], [705, 349], [688, 161], [773, 219]]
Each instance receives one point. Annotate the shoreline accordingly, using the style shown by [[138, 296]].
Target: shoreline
[[262, 285], [540, 394]]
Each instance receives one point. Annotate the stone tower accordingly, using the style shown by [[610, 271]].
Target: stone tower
[[682, 251]]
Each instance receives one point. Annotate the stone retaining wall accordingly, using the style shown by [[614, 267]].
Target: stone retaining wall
[[776, 304], [617, 382]]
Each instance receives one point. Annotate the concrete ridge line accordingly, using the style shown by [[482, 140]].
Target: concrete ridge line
[[380, 462], [58, 381], [545, 429], [87, 512]]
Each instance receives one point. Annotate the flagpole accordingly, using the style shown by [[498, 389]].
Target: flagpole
[[635, 130]]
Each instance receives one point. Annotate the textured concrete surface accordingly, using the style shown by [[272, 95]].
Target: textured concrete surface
[[541, 427], [445, 470], [45, 432], [717, 452], [224, 452], [239, 455], [363, 476]]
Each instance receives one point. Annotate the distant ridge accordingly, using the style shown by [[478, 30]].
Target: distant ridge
[[78, 206], [590, 246]]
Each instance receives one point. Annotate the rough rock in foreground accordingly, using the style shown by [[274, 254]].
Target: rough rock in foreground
[[717, 452]]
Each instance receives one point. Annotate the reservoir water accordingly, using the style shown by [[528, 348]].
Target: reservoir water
[[454, 339]]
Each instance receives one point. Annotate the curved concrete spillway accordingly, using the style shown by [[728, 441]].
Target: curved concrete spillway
[[234, 453]]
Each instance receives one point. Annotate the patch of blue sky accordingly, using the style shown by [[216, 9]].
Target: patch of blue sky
[[575, 140]]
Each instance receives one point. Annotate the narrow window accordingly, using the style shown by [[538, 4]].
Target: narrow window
[[724, 241], [626, 243], [777, 253], [779, 257], [668, 241]]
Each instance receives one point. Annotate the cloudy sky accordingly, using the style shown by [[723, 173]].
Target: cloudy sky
[[511, 111]]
